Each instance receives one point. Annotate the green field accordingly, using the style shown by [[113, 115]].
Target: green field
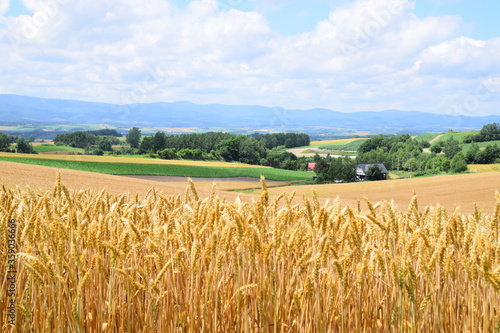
[[48, 148], [455, 135], [427, 137], [167, 170], [347, 146], [465, 146]]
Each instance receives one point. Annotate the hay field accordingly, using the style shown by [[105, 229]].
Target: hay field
[[449, 191], [336, 141], [482, 168], [99, 262], [114, 159]]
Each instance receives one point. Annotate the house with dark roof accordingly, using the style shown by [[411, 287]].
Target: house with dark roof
[[362, 169]]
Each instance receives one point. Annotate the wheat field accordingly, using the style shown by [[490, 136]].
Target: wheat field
[[101, 262]]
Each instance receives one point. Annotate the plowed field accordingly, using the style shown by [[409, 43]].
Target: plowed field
[[44, 178], [448, 191]]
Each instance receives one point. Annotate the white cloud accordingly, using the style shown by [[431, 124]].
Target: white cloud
[[4, 6], [368, 55]]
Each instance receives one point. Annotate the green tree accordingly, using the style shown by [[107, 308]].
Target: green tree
[[446, 165], [24, 147], [105, 144], [134, 137], [436, 148], [158, 142], [489, 155], [331, 169], [374, 173], [458, 164], [251, 150], [451, 147], [472, 153], [5, 141], [168, 153]]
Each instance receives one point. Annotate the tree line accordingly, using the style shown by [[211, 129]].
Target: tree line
[[267, 150], [404, 153], [23, 146], [489, 132], [86, 140]]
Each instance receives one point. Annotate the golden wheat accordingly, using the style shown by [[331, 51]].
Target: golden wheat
[[92, 262]]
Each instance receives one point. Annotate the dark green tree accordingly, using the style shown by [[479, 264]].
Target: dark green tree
[[5, 141], [24, 147], [330, 169], [436, 148], [251, 151], [374, 173], [134, 137], [489, 155], [159, 142], [105, 144]]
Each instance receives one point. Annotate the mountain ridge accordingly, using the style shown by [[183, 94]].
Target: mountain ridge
[[19, 108]]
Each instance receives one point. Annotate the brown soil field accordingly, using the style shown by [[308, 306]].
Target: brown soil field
[[448, 191], [44, 178]]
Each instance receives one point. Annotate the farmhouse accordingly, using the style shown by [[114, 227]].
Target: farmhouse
[[362, 169]]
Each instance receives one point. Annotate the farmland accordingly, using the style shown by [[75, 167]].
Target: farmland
[[102, 252], [448, 191], [98, 261], [341, 145], [53, 148], [160, 168]]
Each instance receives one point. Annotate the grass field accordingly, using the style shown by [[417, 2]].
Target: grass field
[[455, 135], [187, 170], [127, 160], [427, 137], [466, 146], [50, 148]]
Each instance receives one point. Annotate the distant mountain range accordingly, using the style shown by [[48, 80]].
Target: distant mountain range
[[15, 108]]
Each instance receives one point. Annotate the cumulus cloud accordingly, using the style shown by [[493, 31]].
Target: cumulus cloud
[[4, 6], [367, 55]]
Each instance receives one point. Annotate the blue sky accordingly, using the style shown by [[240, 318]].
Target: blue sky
[[292, 17], [348, 55]]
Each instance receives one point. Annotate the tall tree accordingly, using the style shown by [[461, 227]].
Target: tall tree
[[24, 147], [451, 147], [5, 141], [134, 137]]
